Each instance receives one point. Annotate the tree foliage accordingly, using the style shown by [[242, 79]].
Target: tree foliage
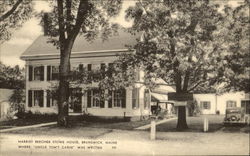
[[178, 41], [68, 19], [13, 13], [11, 77], [182, 43], [234, 65]]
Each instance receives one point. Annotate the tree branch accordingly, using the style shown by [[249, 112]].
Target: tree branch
[[196, 85], [81, 16], [68, 17], [61, 24], [7, 14]]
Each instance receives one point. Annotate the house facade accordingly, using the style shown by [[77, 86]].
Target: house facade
[[214, 103], [42, 72]]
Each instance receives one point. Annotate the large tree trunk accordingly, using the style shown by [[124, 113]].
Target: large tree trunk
[[64, 89], [182, 122]]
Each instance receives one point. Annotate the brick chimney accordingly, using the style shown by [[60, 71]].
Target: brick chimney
[[45, 24]]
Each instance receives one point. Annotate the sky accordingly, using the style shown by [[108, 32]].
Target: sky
[[22, 38]]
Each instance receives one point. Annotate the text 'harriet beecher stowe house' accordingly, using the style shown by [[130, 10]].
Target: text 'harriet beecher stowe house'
[[42, 71]]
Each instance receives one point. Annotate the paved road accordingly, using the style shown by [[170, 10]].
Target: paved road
[[120, 142]]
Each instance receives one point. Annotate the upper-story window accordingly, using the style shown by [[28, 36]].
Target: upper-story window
[[231, 103], [36, 73], [52, 73]]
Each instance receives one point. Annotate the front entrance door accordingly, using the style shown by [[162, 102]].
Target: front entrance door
[[75, 100]]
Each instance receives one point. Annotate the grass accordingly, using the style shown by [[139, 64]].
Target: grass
[[195, 124], [83, 128], [115, 125], [36, 119]]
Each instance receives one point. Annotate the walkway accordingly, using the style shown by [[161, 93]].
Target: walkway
[[25, 127], [157, 123]]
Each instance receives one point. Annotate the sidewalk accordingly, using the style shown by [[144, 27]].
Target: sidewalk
[[157, 123], [25, 127]]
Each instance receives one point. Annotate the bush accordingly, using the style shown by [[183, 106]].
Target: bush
[[90, 118], [36, 115]]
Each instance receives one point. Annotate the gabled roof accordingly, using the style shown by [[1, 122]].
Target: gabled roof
[[114, 43]]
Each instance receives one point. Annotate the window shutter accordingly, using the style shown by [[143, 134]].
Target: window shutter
[[30, 98], [48, 98], [89, 98], [48, 73], [110, 99], [103, 70], [137, 98], [124, 98], [41, 98], [30, 73], [42, 73]]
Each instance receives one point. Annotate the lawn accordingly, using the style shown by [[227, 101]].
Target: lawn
[[27, 121], [115, 125], [82, 129], [195, 124]]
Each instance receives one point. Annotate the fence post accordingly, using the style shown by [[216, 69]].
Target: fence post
[[153, 129], [206, 125]]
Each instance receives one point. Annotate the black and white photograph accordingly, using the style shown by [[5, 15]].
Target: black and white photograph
[[124, 77]]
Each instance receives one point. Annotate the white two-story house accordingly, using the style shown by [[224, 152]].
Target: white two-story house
[[42, 71]]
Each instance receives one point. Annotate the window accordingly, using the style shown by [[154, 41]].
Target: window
[[89, 68], [231, 103], [95, 98], [119, 98], [246, 105], [51, 99], [80, 67], [205, 104], [146, 99], [75, 100], [135, 97], [55, 73], [52, 73], [35, 98], [110, 69], [39, 73]]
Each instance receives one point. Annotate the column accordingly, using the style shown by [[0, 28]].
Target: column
[[44, 98], [45, 73]]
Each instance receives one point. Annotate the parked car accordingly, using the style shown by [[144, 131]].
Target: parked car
[[236, 115]]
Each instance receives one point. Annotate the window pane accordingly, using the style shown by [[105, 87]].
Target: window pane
[[96, 98], [37, 73], [55, 72], [38, 98]]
